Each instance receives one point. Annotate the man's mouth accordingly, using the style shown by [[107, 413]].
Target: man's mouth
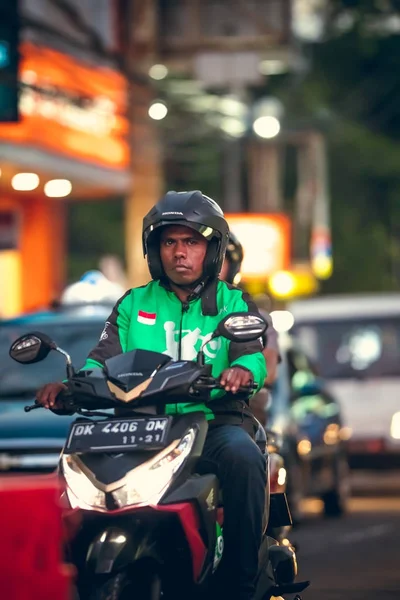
[[181, 268]]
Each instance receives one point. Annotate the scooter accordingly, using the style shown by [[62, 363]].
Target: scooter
[[151, 527]]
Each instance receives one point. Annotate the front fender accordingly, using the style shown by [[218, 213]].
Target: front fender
[[111, 551]]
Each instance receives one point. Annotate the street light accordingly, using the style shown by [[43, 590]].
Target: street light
[[25, 182], [57, 188], [267, 127], [267, 114], [158, 72], [158, 111]]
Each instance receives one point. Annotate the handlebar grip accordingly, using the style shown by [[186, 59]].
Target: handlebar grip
[[245, 389], [215, 384]]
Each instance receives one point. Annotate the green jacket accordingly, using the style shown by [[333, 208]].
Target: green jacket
[[153, 318]]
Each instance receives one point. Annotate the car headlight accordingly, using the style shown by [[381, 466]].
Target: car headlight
[[150, 480], [395, 426], [80, 490]]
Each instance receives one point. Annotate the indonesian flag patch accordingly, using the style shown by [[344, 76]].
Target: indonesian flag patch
[[146, 318]]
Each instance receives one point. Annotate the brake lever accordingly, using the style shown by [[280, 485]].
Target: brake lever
[[32, 407]]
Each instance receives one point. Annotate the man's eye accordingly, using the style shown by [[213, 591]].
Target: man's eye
[[168, 243], [192, 242]]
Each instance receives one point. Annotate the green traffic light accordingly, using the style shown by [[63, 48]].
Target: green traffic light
[[4, 54]]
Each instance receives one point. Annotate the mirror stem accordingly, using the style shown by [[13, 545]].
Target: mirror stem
[[200, 359], [70, 371], [70, 368]]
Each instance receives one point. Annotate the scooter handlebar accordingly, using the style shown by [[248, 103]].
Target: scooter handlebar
[[64, 395]]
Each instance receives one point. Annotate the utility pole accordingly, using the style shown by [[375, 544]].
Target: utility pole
[[146, 182], [146, 161], [264, 177]]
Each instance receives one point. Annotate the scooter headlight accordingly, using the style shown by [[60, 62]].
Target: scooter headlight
[[149, 481], [80, 490]]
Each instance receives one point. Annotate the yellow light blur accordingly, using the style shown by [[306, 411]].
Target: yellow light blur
[[322, 266], [304, 447], [10, 293], [331, 434], [395, 426], [346, 433], [282, 284], [300, 281]]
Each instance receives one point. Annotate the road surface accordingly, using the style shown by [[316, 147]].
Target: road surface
[[355, 557]]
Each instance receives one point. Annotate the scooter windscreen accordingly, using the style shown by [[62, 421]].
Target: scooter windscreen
[[139, 376], [132, 368]]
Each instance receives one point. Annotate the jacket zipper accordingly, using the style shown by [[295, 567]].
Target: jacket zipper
[[185, 308]]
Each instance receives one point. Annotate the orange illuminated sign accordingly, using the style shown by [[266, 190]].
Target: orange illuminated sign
[[70, 108], [266, 243]]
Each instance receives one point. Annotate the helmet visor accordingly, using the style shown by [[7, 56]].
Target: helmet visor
[[206, 231]]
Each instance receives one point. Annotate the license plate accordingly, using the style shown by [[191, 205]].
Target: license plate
[[118, 435]]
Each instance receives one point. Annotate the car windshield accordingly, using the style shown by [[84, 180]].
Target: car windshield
[[366, 348], [76, 337]]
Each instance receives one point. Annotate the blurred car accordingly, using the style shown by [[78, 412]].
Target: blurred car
[[33, 441], [309, 419], [355, 339]]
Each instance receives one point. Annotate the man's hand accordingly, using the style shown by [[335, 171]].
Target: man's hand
[[234, 378], [47, 395]]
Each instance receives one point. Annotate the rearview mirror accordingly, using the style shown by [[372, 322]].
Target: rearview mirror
[[241, 327], [31, 348], [274, 441]]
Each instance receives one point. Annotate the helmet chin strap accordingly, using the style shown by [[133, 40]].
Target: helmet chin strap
[[195, 288]]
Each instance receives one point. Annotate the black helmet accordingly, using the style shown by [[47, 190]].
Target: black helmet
[[194, 210], [234, 256]]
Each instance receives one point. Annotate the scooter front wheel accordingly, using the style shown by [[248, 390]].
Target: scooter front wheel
[[122, 587]]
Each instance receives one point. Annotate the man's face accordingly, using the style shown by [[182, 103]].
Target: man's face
[[182, 252]]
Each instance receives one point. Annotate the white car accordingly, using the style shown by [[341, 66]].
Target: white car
[[355, 343]]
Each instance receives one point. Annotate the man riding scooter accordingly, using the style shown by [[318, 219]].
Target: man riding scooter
[[184, 240]]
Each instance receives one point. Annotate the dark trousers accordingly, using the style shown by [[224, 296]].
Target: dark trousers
[[237, 461]]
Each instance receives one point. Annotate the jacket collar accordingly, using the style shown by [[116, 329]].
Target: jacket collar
[[208, 296]]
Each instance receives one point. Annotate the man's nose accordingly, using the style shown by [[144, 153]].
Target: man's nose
[[180, 250]]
